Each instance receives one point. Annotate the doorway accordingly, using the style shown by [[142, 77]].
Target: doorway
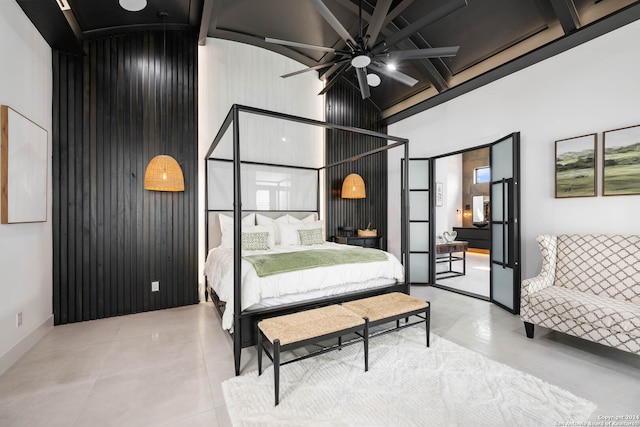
[[487, 223], [462, 226]]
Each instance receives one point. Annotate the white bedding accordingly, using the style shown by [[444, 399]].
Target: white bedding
[[219, 272]]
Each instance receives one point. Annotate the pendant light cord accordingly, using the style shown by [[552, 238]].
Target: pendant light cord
[[163, 95]]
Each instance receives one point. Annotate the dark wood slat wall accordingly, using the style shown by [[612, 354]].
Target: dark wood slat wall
[[111, 111], [344, 105]]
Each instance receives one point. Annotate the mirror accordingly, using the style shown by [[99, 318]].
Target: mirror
[[480, 211]]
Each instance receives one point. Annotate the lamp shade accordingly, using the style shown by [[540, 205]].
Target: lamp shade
[[353, 187], [163, 174]]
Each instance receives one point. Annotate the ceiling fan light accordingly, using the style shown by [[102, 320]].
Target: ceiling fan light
[[133, 5], [391, 67], [360, 61], [373, 80]]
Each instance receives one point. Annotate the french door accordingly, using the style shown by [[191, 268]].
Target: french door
[[505, 222], [419, 220]]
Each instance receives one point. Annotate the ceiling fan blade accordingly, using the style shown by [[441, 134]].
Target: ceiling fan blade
[[316, 67], [335, 67], [333, 21], [301, 45], [394, 74], [436, 52], [375, 25], [430, 18], [334, 79], [362, 82]]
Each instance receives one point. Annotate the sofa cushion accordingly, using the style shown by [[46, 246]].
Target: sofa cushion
[[602, 312], [605, 265]]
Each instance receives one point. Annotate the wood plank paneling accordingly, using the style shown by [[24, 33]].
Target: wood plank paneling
[[113, 110], [344, 106]]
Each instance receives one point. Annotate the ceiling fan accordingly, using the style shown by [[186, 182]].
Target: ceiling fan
[[363, 53]]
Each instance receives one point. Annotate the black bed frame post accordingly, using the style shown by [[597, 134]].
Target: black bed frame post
[[404, 238], [237, 241], [206, 223]]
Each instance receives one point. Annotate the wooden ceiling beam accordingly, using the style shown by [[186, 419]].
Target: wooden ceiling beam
[[210, 13], [567, 14]]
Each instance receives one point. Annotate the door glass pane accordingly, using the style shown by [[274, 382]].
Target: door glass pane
[[419, 174], [496, 242], [419, 268], [503, 286], [418, 205], [419, 236], [496, 202], [501, 160]]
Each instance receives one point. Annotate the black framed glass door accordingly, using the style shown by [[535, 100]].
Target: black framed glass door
[[419, 231], [505, 223]]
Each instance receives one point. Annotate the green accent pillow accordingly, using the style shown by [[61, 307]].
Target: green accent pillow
[[255, 241], [311, 236]]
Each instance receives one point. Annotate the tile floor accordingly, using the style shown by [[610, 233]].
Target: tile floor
[[477, 276], [166, 367]]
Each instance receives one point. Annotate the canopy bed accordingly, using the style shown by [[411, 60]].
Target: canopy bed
[[267, 253]]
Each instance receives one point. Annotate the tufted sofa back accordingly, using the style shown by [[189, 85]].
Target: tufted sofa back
[[607, 265]]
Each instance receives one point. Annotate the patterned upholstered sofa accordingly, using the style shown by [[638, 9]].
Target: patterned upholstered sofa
[[589, 287]]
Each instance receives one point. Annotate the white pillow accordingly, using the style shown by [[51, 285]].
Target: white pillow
[[265, 220], [226, 228], [289, 232], [294, 220]]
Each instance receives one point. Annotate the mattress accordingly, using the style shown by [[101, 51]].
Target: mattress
[[294, 286]]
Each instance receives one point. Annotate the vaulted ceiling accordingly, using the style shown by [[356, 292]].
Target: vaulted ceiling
[[495, 37]]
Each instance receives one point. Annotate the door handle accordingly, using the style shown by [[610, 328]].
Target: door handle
[[505, 223]]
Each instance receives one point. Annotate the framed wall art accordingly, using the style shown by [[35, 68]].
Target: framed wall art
[[576, 166], [439, 194], [23, 166], [621, 161]]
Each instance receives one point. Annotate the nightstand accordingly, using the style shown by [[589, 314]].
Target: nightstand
[[365, 242]]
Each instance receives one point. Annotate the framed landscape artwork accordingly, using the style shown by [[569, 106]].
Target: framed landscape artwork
[[576, 166], [23, 168], [621, 161]]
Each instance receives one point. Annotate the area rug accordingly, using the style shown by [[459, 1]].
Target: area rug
[[407, 384]]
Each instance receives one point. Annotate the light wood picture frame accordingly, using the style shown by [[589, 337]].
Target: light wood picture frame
[[621, 161], [23, 169], [575, 166]]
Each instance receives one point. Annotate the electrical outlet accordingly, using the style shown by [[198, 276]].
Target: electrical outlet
[[19, 319], [155, 286]]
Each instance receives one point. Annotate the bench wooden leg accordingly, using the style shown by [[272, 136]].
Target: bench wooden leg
[[366, 344], [528, 328], [259, 348], [428, 322], [276, 369]]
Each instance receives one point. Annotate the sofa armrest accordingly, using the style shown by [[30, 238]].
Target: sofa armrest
[[548, 248]]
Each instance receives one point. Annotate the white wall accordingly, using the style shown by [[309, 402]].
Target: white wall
[[591, 88], [235, 73], [25, 249], [449, 173]]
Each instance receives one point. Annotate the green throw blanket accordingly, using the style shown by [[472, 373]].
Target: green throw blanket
[[269, 264]]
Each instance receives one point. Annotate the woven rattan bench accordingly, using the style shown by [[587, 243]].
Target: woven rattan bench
[[391, 307], [308, 327]]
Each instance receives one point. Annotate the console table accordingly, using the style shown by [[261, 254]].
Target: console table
[[449, 253], [478, 238], [364, 241]]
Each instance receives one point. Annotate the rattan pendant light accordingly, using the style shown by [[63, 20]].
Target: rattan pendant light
[[353, 187], [163, 171]]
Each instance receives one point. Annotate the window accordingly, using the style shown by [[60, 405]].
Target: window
[[481, 175]]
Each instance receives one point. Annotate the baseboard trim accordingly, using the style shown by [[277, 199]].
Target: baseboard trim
[[19, 350]]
